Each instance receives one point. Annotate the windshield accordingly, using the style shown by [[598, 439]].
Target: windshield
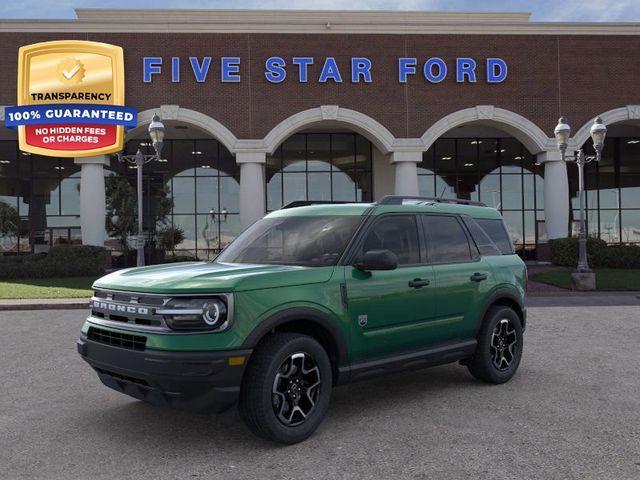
[[314, 241]]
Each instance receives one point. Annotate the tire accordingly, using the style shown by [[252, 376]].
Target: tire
[[500, 345], [279, 398]]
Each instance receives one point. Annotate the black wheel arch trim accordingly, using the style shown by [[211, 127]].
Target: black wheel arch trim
[[309, 314], [497, 295]]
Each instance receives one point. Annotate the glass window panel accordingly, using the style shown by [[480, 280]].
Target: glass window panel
[[229, 194], [528, 191], [60, 221], [208, 232], [182, 163], [207, 194], [443, 188], [318, 152], [8, 158], [631, 226], [70, 196], [629, 154], [364, 183], [363, 153], [342, 151], [446, 239], [512, 191], [206, 157], [229, 230], [467, 151], [487, 155], [343, 187], [227, 164], [467, 187], [274, 192], [529, 228], [293, 153], [511, 155], [319, 186], [294, 187], [490, 191], [183, 195], [539, 181], [513, 221], [445, 156], [426, 185], [609, 226], [44, 166], [630, 190], [187, 223], [398, 234]]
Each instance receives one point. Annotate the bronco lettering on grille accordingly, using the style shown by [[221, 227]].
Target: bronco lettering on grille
[[115, 307]]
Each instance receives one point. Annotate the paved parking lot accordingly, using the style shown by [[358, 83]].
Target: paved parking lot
[[572, 411]]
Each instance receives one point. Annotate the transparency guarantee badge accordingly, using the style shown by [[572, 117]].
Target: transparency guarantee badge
[[71, 99]]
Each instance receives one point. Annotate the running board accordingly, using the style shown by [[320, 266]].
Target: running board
[[431, 357]]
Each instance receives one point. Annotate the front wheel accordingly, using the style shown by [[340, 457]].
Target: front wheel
[[286, 388], [499, 347]]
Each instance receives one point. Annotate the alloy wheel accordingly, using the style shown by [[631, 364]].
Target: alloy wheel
[[296, 389], [504, 344]]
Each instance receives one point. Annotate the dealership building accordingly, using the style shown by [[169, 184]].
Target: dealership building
[[263, 108]]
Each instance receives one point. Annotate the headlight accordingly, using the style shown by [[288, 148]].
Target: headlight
[[196, 314]]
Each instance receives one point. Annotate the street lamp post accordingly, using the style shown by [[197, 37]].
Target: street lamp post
[[562, 133], [156, 133]]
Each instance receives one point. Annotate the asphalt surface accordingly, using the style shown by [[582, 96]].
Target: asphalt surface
[[572, 411]]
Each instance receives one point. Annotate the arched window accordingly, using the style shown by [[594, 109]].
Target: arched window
[[320, 166]]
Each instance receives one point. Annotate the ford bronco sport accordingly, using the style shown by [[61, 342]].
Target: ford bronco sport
[[308, 298]]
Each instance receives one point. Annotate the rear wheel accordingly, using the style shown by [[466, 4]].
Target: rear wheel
[[286, 388], [499, 349]]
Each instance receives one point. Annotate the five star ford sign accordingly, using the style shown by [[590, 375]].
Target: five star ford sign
[[70, 99]]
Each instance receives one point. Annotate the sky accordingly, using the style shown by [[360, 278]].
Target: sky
[[542, 10]]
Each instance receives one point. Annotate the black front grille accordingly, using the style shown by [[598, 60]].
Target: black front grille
[[116, 339]]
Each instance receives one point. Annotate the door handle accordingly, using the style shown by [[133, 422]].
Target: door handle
[[418, 282], [478, 277]]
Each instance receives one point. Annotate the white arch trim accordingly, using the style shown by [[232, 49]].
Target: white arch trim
[[359, 122], [200, 120], [630, 112], [531, 136]]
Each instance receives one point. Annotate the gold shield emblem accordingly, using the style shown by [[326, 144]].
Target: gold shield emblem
[[77, 73]]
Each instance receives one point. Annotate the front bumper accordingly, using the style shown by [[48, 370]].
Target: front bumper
[[195, 381]]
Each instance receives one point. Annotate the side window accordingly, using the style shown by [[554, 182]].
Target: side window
[[498, 233], [485, 245], [446, 240], [398, 233]]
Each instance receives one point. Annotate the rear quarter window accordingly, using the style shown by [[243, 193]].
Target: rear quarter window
[[495, 228]]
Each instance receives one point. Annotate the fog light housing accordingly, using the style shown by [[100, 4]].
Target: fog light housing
[[196, 314]]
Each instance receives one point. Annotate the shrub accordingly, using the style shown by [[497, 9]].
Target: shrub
[[564, 252], [61, 261]]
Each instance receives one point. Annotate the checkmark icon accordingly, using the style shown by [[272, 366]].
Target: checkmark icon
[[71, 73]]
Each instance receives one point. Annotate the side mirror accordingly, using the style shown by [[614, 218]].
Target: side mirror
[[377, 260]]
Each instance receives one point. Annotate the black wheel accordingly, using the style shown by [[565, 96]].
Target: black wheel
[[286, 388], [499, 347]]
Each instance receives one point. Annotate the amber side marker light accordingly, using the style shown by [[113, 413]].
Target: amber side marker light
[[236, 361]]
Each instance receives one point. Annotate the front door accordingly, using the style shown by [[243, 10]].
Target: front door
[[390, 310]]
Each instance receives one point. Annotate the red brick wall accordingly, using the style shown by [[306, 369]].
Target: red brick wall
[[578, 76]]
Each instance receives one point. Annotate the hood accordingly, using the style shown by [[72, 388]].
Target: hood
[[207, 277]]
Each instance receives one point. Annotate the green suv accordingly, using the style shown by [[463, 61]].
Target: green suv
[[308, 298]]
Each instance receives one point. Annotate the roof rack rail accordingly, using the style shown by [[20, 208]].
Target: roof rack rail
[[306, 203], [398, 200]]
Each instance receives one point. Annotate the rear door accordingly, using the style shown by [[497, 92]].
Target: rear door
[[390, 310], [462, 276]]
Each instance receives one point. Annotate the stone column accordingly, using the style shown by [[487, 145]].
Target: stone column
[[556, 194], [406, 166], [92, 199], [252, 187]]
